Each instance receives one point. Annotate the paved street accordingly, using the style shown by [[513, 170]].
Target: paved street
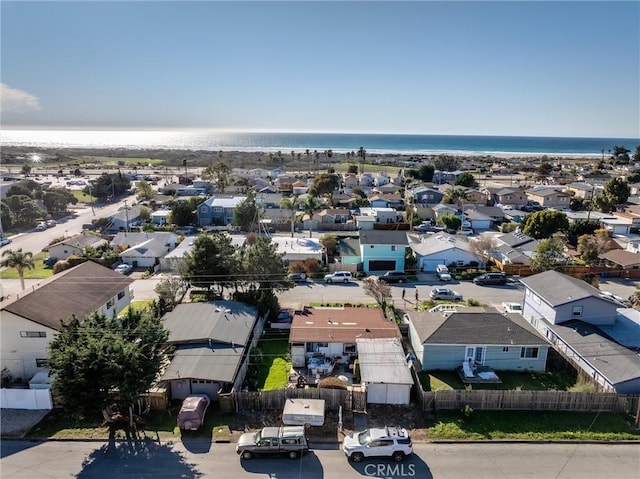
[[192, 459]]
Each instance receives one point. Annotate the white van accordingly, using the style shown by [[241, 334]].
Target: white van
[[443, 273]]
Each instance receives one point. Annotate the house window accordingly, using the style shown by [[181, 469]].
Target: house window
[[576, 312], [110, 303], [394, 248], [349, 348], [529, 353], [218, 210], [42, 363], [505, 349], [322, 345], [33, 334], [121, 295]]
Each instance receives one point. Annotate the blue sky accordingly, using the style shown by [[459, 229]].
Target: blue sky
[[476, 68]]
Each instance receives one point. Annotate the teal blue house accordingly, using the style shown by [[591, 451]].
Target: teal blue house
[[382, 250]]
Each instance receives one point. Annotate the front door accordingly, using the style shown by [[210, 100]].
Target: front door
[[475, 353]]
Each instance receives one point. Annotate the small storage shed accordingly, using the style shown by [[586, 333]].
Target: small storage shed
[[299, 412], [384, 370]]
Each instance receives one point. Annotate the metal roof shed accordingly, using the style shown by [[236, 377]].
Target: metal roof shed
[[385, 371], [300, 412]]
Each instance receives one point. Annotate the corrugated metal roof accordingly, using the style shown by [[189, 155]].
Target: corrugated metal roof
[[383, 361]]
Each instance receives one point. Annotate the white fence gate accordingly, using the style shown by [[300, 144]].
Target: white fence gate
[[25, 399]]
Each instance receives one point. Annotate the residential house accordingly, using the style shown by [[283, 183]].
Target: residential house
[[349, 251], [443, 248], [441, 210], [440, 177], [509, 196], [446, 340], [616, 226], [160, 242], [333, 216], [581, 191], [386, 201], [585, 326], [389, 189], [384, 370], [381, 215], [549, 197], [31, 319], [218, 210], [300, 187], [514, 248], [425, 195], [186, 178], [350, 181], [621, 258], [74, 245], [212, 342], [160, 217], [298, 249], [366, 179], [123, 219], [382, 250], [332, 332], [381, 179]]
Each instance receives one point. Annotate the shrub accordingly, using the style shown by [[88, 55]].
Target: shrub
[[331, 383]]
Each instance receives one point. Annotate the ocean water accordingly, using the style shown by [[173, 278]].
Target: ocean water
[[213, 140]]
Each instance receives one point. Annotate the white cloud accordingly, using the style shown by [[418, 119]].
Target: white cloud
[[16, 100]]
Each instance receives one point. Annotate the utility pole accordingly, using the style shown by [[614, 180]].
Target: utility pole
[[126, 216]]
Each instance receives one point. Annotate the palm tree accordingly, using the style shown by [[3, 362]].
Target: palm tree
[[457, 196], [362, 153], [307, 152], [292, 205], [329, 154], [310, 207], [18, 260], [316, 156]]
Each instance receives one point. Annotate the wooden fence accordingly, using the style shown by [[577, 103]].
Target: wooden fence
[[350, 400], [492, 400]]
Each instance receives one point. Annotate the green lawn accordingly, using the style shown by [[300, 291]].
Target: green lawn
[[40, 271], [446, 380], [276, 364], [530, 425], [138, 306], [82, 197]]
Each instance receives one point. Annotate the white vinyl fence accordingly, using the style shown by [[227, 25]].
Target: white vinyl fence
[[25, 399]]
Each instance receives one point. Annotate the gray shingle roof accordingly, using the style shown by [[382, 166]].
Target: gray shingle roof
[[217, 362], [474, 326], [616, 363], [220, 321], [78, 291], [383, 237], [557, 288]]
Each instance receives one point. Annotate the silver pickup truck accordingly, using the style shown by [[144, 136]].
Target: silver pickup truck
[[291, 440]]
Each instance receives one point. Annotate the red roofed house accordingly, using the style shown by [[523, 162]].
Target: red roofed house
[[332, 332]]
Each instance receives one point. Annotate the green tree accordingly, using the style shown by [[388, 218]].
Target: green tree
[[549, 255], [170, 290], [211, 262], [544, 169], [93, 358], [26, 169], [634, 176], [362, 154], [456, 196], [219, 174], [56, 200], [424, 173], [325, 183], [291, 204], [25, 211], [184, 212], [450, 221], [245, 215], [144, 191], [466, 179], [264, 267], [543, 224], [616, 191], [352, 169], [310, 206], [18, 260]]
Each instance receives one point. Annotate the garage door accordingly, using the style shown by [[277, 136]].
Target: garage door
[[428, 265], [380, 265]]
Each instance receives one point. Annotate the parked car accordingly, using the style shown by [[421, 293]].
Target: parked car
[[5, 241], [394, 277], [467, 231], [490, 278], [445, 293], [41, 226], [443, 273], [193, 411], [298, 277], [338, 277], [51, 223], [289, 440], [425, 228], [393, 442], [123, 268], [50, 261]]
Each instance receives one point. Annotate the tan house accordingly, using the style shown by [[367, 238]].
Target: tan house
[[510, 196], [30, 320], [549, 197]]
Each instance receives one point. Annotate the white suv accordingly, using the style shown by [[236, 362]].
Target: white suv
[[338, 277], [393, 442]]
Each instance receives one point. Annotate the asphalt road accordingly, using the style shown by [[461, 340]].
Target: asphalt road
[[193, 459]]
